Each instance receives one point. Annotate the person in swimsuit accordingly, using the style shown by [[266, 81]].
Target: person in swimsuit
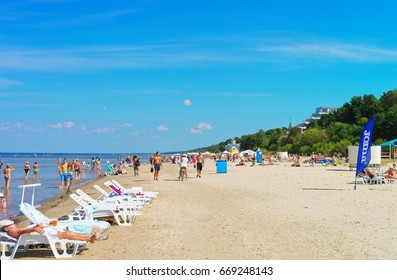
[[157, 165], [391, 173], [313, 159], [26, 167], [136, 163], [63, 171], [183, 165], [9, 227], [76, 167], [36, 168], [200, 161], [7, 174]]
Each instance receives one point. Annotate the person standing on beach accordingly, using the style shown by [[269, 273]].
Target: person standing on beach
[[200, 163], [98, 165], [7, 175], [313, 159], [36, 168], [77, 170], [26, 167], [183, 165], [63, 171], [157, 165], [92, 163], [136, 163]]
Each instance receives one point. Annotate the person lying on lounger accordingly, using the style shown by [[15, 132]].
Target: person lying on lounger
[[369, 173], [391, 173], [296, 162], [9, 227]]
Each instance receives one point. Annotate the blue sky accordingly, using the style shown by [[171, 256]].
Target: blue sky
[[141, 76]]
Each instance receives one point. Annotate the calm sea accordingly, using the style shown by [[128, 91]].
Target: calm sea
[[48, 176]]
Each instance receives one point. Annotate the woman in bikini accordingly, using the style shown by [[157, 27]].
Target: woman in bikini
[[7, 175], [36, 168]]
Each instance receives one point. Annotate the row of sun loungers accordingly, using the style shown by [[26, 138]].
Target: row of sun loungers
[[118, 205]]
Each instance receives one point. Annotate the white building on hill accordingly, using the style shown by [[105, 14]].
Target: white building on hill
[[316, 116]]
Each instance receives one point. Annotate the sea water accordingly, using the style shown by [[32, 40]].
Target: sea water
[[48, 176]]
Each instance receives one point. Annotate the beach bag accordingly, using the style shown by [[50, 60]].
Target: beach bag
[[151, 169]]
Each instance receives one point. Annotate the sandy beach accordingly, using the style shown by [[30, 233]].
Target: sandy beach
[[273, 212]]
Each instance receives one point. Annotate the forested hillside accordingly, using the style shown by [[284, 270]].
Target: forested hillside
[[332, 133]]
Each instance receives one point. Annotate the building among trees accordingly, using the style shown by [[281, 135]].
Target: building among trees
[[316, 116]]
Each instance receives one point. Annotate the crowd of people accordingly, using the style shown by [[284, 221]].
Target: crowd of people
[[183, 160], [72, 170]]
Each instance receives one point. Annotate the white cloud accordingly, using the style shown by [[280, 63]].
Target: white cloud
[[56, 126], [7, 126], [68, 124], [6, 82], [204, 125], [105, 130], [196, 131], [162, 128], [187, 102], [126, 125], [332, 50], [200, 128]]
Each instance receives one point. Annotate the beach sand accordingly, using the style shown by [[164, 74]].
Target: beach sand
[[274, 212]]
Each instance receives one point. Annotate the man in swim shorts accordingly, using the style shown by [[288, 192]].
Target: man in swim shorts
[[63, 171], [200, 161], [157, 165]]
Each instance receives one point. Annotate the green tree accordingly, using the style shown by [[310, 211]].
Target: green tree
[[388, 100], [313, 136]]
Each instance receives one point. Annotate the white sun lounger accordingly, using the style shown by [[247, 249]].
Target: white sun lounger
[[137, 190], [117, 190], [61, 249], [84, 224], [118, 204], [140, 202], [122, 215]]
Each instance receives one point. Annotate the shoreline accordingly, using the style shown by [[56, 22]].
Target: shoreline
[[261, 212], [46, 204]]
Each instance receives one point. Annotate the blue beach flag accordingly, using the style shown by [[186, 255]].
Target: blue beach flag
[[364, 149]]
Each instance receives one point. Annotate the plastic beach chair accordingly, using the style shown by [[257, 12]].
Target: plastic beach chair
[[61, 249], [83, 224], [121, 199], [137, 190], [122, 215], [114, 203]]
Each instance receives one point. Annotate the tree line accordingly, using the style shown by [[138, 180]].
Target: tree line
[[333, 132]]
